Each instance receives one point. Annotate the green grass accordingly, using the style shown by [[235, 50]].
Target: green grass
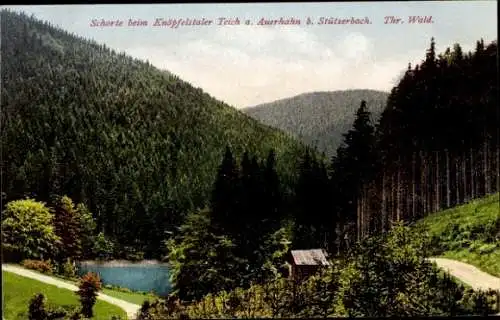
[[132, 297], [18, 290], [489, 263], [469, 233]]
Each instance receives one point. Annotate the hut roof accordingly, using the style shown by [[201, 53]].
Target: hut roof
[[312, 257]]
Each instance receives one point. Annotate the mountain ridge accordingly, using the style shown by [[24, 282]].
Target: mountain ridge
[[319, 118]]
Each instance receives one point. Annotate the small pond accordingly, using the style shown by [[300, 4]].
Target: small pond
[[145, 276]]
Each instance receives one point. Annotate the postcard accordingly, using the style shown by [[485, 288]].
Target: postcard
[[250, 160]]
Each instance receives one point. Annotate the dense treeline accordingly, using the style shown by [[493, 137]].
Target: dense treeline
[[62, 232], [240, 238], [243, 236], [137, 145], [436, 146], [437, 140]]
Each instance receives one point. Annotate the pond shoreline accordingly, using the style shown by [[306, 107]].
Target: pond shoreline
[[122, 263], [144, 276]]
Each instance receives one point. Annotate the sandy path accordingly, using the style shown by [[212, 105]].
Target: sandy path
[[130, 308], [469, 274]]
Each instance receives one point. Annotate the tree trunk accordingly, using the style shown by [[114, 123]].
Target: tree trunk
[[437, 205], [464, 177], [393, 189], [358, 216], [486, 173], [457, 184], [472, 176], [384, 205], [448, 190], [422, 185], [398, 193], [413, 187], [498, 167], [366, 214], [428, 181], [363, 213]]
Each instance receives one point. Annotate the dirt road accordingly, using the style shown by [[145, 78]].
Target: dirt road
[[469, 274], [130, 308]]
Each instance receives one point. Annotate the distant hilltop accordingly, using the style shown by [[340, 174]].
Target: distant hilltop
[[319, 118]]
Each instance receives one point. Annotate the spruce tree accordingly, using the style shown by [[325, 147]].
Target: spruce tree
[[354, 164], [224, 202]]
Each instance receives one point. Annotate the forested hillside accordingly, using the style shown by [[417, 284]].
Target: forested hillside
[[319, 118], [139, 146], [436, 145]]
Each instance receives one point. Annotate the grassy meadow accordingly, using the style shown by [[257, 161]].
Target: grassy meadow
[[469, 233], [18, 290]]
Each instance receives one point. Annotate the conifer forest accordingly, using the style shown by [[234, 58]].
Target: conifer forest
[[155, 168]]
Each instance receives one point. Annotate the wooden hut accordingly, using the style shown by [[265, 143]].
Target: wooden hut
[[304, 263]]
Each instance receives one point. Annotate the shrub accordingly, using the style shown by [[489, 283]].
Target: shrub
[[103, 248], [487, 248], [131, 254], [75, 315], [144, 313], [28, 231], [390, 277], [484, 302], [38, 265], [57, 313], [159, 310], [89, 286], [36, 309], [69, 269]]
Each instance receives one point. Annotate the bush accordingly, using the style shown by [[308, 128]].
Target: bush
[[74, 315], [388, 276], [57, 313], [69, 269], [28, 231], [159, 310], [89, 286], [482, 303], [36, 309], [103, 248], [131, 254], [487, 248], [144, 313], [38, 265]]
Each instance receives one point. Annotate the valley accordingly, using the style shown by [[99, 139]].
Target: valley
[[107, 157]]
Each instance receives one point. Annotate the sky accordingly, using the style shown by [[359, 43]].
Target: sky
[[246, 65]]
